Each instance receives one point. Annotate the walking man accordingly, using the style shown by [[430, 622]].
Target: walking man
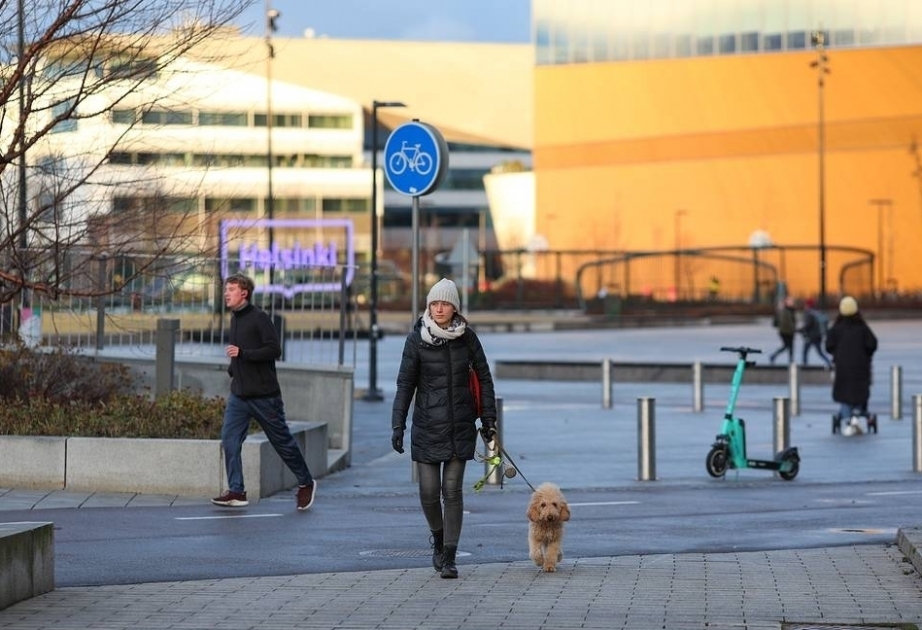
[[255, 393]]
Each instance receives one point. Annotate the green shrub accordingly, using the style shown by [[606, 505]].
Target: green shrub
[[59, 376], [61, 393]]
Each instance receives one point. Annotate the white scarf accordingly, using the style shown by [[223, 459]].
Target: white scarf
[[434, 334]]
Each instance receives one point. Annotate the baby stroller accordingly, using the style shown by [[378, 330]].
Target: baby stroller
[[853, 422]]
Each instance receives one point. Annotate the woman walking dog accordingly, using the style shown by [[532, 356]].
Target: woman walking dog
[[435, 368]]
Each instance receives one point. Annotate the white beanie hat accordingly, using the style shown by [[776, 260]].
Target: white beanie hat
[[444, 291], [848, 306]]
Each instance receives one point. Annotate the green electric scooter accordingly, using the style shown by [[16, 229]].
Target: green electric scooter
[[729, 450]]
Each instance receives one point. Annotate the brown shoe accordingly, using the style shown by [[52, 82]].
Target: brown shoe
[[306, 496], [231, 499]]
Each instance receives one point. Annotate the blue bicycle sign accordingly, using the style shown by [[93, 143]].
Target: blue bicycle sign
[[415, 159], [410, 157]]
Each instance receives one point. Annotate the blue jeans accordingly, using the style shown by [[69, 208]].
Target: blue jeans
[[270, 414]]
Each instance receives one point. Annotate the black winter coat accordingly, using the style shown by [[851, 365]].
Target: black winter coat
[[443, 413], [851, 344]]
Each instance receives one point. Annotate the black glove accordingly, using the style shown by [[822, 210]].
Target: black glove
[[488, 429], [397, 440]]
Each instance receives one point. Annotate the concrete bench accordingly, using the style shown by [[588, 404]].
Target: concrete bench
[[26, 561]]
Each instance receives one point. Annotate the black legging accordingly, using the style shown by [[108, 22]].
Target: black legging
[[438, 482]]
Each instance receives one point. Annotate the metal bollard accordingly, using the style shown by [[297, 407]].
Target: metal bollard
[[896, 392], [496, 476], [646, 439], [606, 384], [917, 433], [794, 389], [781, 424], [165, 360], [697, 387]]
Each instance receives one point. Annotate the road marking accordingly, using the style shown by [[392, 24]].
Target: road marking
[[604, 503], [217, 518], [893, 493]]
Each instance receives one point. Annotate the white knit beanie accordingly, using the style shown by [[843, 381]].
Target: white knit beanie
[[848, 306], [444, 291]]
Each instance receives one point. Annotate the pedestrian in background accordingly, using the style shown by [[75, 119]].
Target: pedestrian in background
[[786, 323], [255, 393], [434, 369], [813, 329], [852, 345]]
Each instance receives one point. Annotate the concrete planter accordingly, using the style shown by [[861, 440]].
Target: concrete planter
[[193, 468]]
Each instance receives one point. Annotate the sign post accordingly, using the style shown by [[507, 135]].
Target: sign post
[[415, 163]]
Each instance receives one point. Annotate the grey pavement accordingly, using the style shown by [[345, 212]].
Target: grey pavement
[[560, 432]]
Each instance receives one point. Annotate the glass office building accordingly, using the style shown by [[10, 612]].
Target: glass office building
[[591, 31], [674, 124]]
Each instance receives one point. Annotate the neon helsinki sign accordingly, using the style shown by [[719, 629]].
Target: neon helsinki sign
[[249, 257]]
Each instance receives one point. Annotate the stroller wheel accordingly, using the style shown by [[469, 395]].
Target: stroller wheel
[[835, 423], [872, 423]]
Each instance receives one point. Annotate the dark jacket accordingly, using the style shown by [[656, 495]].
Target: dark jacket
[[851, 344], [812, 327], [253, 370], [443, 411], [786, 321]]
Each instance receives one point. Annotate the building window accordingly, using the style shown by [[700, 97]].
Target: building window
[[339, 205], [279, 120], [706, 45], [123, 116], [727, 44], [797, 40], [222, 119], [773, 41], [166, 117], [231, 204], [329, 121], [64, 110], [749, 42]]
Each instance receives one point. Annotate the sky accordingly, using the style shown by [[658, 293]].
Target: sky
[[506, 21]]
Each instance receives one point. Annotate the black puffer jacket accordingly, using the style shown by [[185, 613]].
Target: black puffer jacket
[[443, 413], [851, 344]]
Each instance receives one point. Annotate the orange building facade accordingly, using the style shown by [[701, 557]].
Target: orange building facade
[[701, 151]]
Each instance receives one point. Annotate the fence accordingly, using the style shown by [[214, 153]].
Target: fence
[[128, 293], [314, 310]]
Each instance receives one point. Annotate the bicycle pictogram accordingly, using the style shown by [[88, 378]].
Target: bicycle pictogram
[[412, 157]]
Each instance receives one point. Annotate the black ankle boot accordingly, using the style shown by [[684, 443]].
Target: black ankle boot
[[436, 540], [449, 570]]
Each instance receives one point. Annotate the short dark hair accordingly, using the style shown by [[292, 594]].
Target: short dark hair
[[243, 281]]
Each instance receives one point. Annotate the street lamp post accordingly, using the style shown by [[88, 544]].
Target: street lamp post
[[818, 39], [881, 204], [374, 394], [677, 215], [272, 16]]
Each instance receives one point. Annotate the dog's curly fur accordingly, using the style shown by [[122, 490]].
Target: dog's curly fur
[[547, 511]]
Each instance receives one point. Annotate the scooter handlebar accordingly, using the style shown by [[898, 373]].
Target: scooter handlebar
[[741, 350]]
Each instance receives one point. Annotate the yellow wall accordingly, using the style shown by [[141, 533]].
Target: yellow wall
[[733, 141]]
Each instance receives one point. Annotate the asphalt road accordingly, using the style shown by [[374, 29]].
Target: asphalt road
[[849, 491]]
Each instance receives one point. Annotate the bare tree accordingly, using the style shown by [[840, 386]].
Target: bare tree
[[63, 62]]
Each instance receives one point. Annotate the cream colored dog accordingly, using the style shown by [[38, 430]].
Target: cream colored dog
[[547, 512]]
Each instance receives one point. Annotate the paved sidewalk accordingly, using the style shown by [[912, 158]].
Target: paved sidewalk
[[838, 586], [755, 590]]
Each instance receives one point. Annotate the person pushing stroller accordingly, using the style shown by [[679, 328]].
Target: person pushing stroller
[[852, 344]]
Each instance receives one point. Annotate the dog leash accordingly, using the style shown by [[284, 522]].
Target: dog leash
[[497, 461]]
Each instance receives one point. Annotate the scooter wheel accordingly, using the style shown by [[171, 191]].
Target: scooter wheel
[[716, 462], [791, 472]]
